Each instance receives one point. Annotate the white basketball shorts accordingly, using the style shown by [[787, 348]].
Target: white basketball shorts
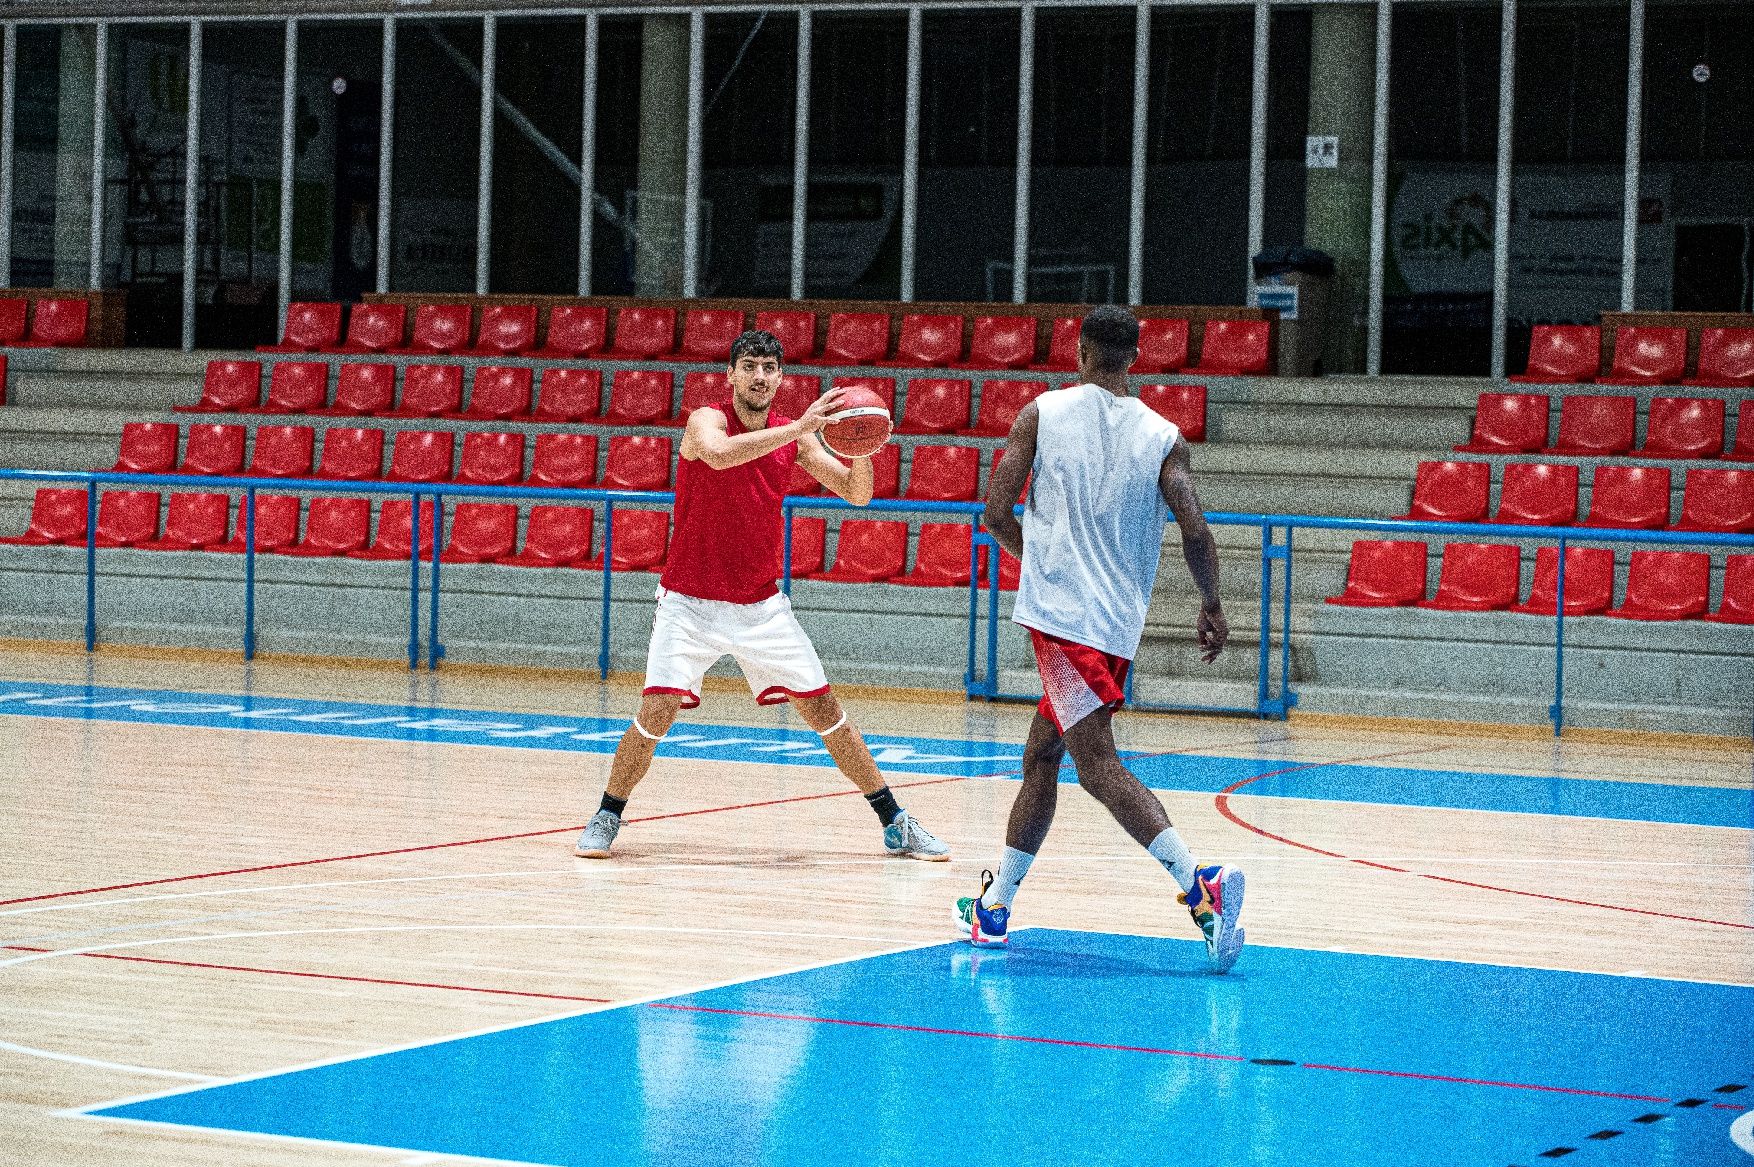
[[689, 636]]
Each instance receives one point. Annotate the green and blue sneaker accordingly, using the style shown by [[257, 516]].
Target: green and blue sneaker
[[1215, 902], [982, 925]]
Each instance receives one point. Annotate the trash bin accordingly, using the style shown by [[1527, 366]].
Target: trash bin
[[1296, 281]]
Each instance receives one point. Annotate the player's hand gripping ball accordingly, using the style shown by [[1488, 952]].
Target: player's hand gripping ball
[[860, 427]]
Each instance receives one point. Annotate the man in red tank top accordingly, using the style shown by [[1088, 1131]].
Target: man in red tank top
[[719, 594]]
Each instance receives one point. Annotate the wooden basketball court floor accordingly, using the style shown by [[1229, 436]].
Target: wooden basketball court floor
[[1467, 946]]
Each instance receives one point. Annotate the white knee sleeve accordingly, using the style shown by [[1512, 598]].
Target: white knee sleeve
[[836, 725], [647, 734]]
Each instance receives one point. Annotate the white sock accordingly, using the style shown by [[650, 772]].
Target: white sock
[[1169, 850], [1012, 868]]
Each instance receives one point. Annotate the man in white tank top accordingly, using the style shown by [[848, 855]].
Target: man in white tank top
[[1105, 474]]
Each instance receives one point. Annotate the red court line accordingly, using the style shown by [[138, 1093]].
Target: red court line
[[1485, 1082], [286, 972], [458, 843]]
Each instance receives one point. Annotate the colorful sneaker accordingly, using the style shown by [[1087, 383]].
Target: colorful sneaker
[[598, 837], [905, 836], [979, 924], [1215, 902]]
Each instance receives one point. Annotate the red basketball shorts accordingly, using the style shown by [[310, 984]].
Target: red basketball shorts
[[1076, 679]]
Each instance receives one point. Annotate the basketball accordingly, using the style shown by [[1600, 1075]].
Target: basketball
[[860, 428]]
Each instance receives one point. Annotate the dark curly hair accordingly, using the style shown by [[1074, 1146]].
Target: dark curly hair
[[758, 342]]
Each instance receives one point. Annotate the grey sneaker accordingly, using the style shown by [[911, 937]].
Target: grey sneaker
[[905, 836], [599, 836]]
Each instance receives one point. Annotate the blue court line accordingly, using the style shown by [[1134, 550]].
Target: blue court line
[[1200, 773]]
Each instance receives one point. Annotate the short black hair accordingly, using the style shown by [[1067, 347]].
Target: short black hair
[[758, 342], [1113, 333]]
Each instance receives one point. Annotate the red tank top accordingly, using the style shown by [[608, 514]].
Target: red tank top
[[729, 532]]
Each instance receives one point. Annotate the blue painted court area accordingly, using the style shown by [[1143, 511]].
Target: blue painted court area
[[1070, 1048], [951, 757]]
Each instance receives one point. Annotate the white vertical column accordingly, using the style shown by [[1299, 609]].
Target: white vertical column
[[1258, 145], [801, 155], [191, 184], [1379, 186], [8, 101], [1501, 194], [1136, 197], [910, 156], [691, 182], [1025, 127], [386, 148], [1634, 147], [588, 156], [288, 116], [100, 86], [484, 179]]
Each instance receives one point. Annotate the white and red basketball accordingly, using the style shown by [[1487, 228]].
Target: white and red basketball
[[860, 427]]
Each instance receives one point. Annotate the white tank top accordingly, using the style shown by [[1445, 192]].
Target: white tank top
[[1093, 521]]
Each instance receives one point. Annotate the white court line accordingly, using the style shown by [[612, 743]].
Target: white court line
[[1742, 1132], [75, 1059], [412, 1156]]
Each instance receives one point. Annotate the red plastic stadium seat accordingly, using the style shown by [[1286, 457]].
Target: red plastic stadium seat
[[1185, 405], [883, 387], [1718, 500], [57, 324], [640, 397], [126, 517], [429, 391], [700, 389], [1001, 402], [796, 332], [638, 463], [1743, 450], [1562, 354], [796, 394], [1234, 347], [12, 314], [1589, 582], [935, 405], [229, 387], [1477, 577], [566, 460], [643, 333], [295, 387], [1163, 345], [421, 456], [481, 531], [574, 330], [1508, 423], [569, 394], [942, 557], [507, 330], [311, 327], [334, 526], [500, 392], [1647, 356], [944, 473], [1595, 425], [394, 540], [1450, 492], [362, 390], [1001, 342], [802, 481], [352, 455], [56, 516], [707, 334], [556, 536], [283, 451], [1063, 347], [1666, 585], [148, 447], [276, 524], [855, 338], [375, 328], [214, 449], [641, 539], [809, 540], [193, 522], [1726, 359], [1684, 427], [927, 342], [1536, 494], [868, 551], [1737, 605], [1629, 496], [440, 329], [886, 472], [1383, 575], [492, 459]]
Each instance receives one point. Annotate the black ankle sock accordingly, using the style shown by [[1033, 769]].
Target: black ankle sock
[[883, 802], [613, 805]]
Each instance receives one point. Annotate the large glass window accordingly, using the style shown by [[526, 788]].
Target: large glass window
[[749, 102], [540, 73], [437, 144], [36, 155]]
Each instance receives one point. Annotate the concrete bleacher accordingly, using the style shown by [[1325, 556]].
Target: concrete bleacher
[[1344, 446]]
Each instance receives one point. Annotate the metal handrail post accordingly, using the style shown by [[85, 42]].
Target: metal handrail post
[[1557, 713], [250, 574], [1266, 619], [974, 599], [435, 648], [414, 582], [1287, 698], [608, 569], [786, 554], [91, 564], [993, 621]]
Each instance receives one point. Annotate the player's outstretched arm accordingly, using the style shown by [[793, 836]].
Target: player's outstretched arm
[[855, 483], [1005, 486], [1176, 481], [709, 439]]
